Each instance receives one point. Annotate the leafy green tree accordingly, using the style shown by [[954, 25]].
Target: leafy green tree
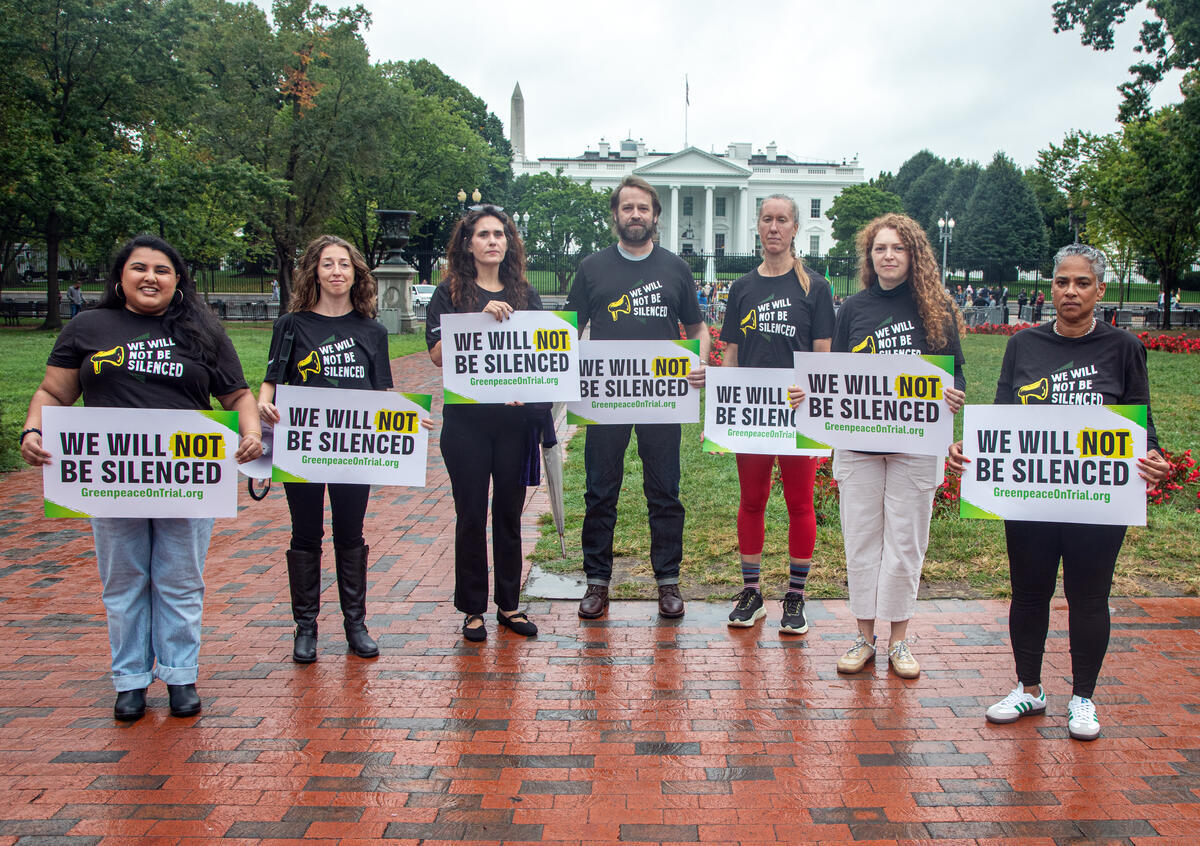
[[854, 208], [921, 199], [1002, 226], [953, 204], [81, 76], [910, 171], [1056, 214], [1169, 42], [1145, 189], [566, 219]]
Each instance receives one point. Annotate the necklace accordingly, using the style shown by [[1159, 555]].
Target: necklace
[[1091, 329]]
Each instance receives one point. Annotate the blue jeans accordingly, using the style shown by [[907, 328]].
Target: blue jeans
[[152, 572]]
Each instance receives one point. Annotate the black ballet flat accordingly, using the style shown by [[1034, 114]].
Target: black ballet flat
[[518, 623], [477, 634]]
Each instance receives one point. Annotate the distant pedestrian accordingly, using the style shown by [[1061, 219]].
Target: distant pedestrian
[[75, 296], [274, 290], [1037, 307]]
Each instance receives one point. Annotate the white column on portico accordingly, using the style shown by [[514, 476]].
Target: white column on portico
[[708, 220], [743, 221], [673, 221]]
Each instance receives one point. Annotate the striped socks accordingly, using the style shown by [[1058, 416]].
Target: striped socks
[[750, 574], [797, 575]]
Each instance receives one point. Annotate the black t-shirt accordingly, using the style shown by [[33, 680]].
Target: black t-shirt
[[347, 351], [887, 322], [628, 300], [127, 360], [1105, 367], [770, 317], [440, 303]]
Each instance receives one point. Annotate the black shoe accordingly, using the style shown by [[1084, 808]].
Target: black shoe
[[352, 591], [304, 648], [360, 641], [185, 702], [747, 608], [476, 634], [518, 623], [793, 621], [594, 602], [130, 706], [670, 603]]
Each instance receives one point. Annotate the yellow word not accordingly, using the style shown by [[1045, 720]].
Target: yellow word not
[[1110, 443], [198, 445], [390, 420], [551, 339], [671, 368], [918, 387]]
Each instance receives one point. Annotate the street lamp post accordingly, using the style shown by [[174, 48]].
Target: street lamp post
[[946, 233], [521, 219]]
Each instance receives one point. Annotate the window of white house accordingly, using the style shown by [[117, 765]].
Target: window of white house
[[719, 243], [814, 242], [816, 209], [687, 207], [719, 207]]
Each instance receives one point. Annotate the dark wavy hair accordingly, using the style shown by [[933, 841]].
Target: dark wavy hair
[[305, 290], [187, 320], [461, 273], [939, 315]]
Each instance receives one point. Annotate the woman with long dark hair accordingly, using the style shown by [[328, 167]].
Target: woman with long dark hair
[[151, 569], [485, 444], [332, 307], [802, 320], [886, 500]]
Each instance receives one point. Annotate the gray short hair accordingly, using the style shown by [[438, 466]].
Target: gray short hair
[[1094, 257]]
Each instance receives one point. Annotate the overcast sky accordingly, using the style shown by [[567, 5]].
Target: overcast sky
[[825, 80]]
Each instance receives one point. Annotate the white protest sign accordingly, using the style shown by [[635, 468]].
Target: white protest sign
[[531, 357], [875, 403], [359, 437], [1069, 463], [636, 382], [746, 410], [139, 462]]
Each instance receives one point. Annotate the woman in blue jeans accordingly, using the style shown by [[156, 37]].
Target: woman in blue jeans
[[151, 569]]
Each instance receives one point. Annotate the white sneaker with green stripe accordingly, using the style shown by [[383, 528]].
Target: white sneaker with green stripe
[[1016, 705], [1082, 723]]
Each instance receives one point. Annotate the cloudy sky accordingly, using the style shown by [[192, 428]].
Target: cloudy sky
[[825, 80]]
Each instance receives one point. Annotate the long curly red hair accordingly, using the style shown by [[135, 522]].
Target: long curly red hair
[[939, 314]]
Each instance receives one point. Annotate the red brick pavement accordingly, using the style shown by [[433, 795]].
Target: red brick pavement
[[629, 729]]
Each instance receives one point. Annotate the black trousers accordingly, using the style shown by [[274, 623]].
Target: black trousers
[[604, 465], [347, 504], [1089, 556], [484, 444]]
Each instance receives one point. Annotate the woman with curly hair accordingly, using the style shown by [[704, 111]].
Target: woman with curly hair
[[485, 443], [332, 307], [887, 499]]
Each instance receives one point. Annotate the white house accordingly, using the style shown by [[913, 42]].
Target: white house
[[710, 200]]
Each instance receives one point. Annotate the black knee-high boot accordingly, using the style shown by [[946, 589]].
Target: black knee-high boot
[[352, 590], [304, 578]]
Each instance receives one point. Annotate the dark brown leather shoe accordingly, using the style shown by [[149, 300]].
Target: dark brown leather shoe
[[670, 603], [594, 603]]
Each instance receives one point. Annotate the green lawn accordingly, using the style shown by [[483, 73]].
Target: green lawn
[[26, 351], [966, 557]]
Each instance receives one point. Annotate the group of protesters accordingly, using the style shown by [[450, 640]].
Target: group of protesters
[[152, 568]]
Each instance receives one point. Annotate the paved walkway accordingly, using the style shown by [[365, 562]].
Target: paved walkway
[[629, 729]]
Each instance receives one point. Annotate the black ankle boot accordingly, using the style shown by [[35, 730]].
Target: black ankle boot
[[352, 590], [131, 705], [304, 579], [185, 702]]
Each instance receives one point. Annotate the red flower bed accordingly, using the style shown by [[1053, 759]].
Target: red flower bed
[[1170, 343], [1184, 472], [997, 328], [716, 355]]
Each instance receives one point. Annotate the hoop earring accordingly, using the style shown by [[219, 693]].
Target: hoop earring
[[180, 293], [120, 291]]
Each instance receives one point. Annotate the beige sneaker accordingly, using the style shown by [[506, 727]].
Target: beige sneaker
[[856, 657], [902, 661]]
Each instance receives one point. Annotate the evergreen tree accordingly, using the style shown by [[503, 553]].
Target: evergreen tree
[[1002, 226]]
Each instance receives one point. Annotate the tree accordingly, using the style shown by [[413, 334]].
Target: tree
[[1144, 187], [294, 101], [910, 171], [1002, 226], [565, 219], [1170, 42], [921, 199], [953, 204], [81, 76], [1055, 207], [853, 209]]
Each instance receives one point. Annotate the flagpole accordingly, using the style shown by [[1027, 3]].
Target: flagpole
[[687, 101]]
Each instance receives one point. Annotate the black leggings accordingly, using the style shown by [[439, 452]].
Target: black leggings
[[347, 504], [1089, 556], [484, 444]]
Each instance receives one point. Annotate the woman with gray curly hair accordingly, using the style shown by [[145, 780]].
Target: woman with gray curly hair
[[1088, 552]]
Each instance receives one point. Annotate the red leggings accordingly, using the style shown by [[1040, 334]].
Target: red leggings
[[754, 476]]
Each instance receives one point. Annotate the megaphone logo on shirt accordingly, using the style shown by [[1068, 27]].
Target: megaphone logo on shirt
[[115, 357], [750, 321], [1034, 390], [311, 363], [867, 345], [621, 306]]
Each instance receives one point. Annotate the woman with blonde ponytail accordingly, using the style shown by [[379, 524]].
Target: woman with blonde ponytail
[[801, 319]]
